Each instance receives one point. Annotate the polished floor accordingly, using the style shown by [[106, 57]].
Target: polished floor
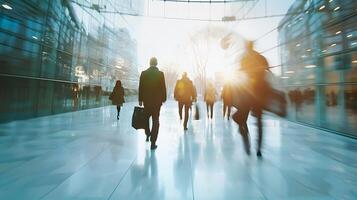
[[90, 155]]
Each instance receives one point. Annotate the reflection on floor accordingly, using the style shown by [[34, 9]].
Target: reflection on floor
[[90, 155]]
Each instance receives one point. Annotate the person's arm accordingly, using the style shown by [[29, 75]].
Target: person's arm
[[141, 84], [163, 85], [194, 93], [175, 91], [123, 93]]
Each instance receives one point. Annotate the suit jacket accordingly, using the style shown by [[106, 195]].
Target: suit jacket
[[185, 91], [152, 88]]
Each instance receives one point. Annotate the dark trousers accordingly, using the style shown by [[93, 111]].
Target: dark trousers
[[209, 106], [227, 109], [180, 107], [241, 117], [154, 113], [118, 109], [187, 108]]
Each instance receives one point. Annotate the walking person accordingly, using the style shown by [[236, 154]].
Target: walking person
[[152, 93], [117, 96], [255, 66], [185, 94], [227, 99], [210, 98]]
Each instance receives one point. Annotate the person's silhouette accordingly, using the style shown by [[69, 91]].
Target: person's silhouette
[[210, 98], [255, 67], [227, 99], [117, 96], [185, 94], [152, 93]]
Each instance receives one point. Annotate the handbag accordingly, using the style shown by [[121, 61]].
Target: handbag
[[139, 120]]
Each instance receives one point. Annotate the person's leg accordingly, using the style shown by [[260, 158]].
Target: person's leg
[[211, 107], [118, 112], [180, 106], [207, 107], [229, 107], [155, 127], [240, 117], [260, 131], [224, 109], [187, 109], [147, 126]]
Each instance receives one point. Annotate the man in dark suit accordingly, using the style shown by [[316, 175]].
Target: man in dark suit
[[152, 93]]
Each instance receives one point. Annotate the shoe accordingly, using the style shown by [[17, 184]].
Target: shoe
[[259, 154], [147, 138], [118, 117], [153, 146], [185, 128]]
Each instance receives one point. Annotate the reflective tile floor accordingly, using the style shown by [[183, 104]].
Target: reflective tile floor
[[90, 155]]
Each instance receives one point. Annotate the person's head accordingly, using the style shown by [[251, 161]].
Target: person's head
[[184, 75], [118, 83], [153, 62], [249, 45]]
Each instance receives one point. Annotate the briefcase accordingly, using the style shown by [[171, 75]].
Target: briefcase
[[138, 120], [276, 103]]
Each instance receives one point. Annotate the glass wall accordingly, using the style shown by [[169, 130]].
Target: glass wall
[[59, 55], [318, 45]]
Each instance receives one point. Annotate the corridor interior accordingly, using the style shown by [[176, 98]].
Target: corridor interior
[[88, 154]]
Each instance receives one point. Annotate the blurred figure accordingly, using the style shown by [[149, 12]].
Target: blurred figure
[[75, 96], [296, 98], [227, 99], [152, 93], [117, 96], [255, 67], [210, 98], [185, 94]]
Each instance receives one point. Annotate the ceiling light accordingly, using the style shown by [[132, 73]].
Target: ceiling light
[[284, 77], [332, 45], [34, 37], [6, 6], [308, 50], [337, 8], [350, 35], [310, 66], [322, 7], [289, 72], [298, 44], [338, 32], [355, 61]]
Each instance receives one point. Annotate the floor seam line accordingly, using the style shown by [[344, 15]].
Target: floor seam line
[[122, 178], [94, 157]]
